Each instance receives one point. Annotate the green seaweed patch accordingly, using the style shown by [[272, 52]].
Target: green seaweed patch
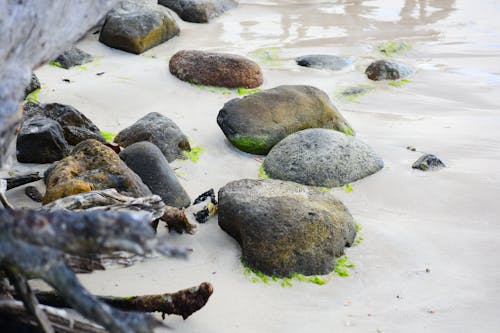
[[342, 266], [262, 172], [108, 136], [353, 93], [214, 89], [347, 188], [54, 63], [253, 144], [245, 91], [390, 48], [325, 189], [267, 56], [194, 153], [399, 83], [256, 276], [83, 67], [349, 131], [359, 237], [33, 96]]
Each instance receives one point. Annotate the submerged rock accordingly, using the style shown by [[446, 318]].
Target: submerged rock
[[215, 69], [284, 227], [198, 11], [387, 70], [428, 162], [137, 27], [321, 157], [323, 61], [91, 166], [257, 122], [73, 57], [159, 130], [40, 140], [34, 85], [76, 126], [147, 161]]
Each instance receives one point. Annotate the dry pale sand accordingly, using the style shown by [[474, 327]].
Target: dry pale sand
[[446, 221]]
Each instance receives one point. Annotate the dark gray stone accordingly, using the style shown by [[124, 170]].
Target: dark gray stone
[[284, 227], [147, 161], [159, 130], [255, 123], [387, 70], [137, 27], [321, 157], [428, 162], [41, 140], [323, 61], [73, 57], [198, 11], [76, 126], [34, 85]]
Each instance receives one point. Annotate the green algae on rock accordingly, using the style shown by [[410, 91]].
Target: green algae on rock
[[285, 228], [255, 123], [390, 48]]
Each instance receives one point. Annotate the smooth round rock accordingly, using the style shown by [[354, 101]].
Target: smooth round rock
[[255, 123], [147, 161], [428, 162], [387, 70], [198, 11], [322, 157], [215, 69], [284, 227]]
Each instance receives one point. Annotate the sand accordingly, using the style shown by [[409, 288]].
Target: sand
[[444, 221]]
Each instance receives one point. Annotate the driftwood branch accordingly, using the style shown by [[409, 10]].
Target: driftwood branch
[[19, 180]]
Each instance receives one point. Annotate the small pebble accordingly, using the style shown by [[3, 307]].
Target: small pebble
[[427, 270], [66, 80], [411, 148], [33, 193]]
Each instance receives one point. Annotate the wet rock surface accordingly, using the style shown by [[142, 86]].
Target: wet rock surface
[[91, 166], [147, 161], [215, 69], [321, 157], [34, 85], [76, 126], [255, 123], [428, 162], [41, 140], [387, 70], [198, 11], [159, 130], [73, 57], [137, 27], [284, 227], [323, 61]]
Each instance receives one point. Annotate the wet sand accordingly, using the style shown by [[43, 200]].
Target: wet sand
[[444, 221]]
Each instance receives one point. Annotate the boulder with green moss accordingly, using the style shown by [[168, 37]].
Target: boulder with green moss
[[215, 69], [34, 85], [159, 130], [198, 11], [255, 123], [137, 27], [284, 227], [73, 57], [321, 157], [91, 166]]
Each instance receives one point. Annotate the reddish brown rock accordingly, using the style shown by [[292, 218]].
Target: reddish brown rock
[[216, 69]]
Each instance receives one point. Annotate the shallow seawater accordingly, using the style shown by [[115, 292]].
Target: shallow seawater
[[446, 221]]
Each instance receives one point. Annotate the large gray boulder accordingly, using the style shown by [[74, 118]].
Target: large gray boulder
[[321, 157], [147, 161], [136, 27], [198, 11], [255, 123], [33, 33], [284, 227], [215, 69], [159, 130]]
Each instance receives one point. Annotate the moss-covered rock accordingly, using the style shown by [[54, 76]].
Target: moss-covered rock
[[216, 69], [91, 166], [321, 157], [255, 123], [159, 130], [198, 11], [73, 57], [33, 86], [284, 227], [137, 27]]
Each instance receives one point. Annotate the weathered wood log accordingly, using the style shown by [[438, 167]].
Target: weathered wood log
[[183, 302], [19, 180]]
